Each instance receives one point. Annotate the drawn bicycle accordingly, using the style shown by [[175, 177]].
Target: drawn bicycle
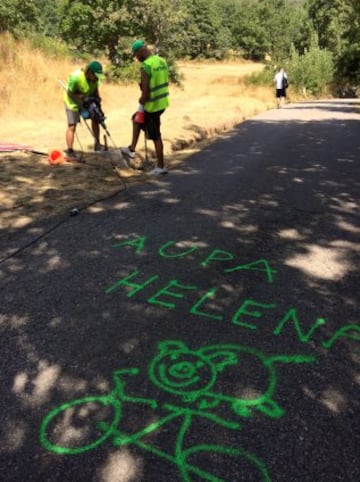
[[83, 424]]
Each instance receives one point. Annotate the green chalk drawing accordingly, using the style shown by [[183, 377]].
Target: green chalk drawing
[[138, 243], [177, 255], [292, 316], [254, 267], [217, 255], [255, 314], [166, 291], [343, 333], [135, 287], [192, 377], [194, 310]]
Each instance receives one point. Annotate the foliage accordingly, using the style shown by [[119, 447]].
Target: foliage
[[265, 77], [47, 17], [312, 71], [285, 24], [331, 21], [337, 23], [95, 26], [50, 46], [203, 28], [18, 16], [281, 30], [248, 30], [160, 22]]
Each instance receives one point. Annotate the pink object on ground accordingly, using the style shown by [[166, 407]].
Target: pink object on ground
[[10, 147]]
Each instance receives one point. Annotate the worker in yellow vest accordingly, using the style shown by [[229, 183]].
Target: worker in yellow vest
[[82, 83], [153, 101]]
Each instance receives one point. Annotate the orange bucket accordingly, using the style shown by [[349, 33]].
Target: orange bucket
[[56, 157], [139, 117]]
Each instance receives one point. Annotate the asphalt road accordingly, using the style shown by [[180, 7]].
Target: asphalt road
[[200, 326]]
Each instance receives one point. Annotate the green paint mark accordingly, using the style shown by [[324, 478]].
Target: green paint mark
[[232, 452], [192, 377], [217, 255], [343, 333], [254, 267], [177, 255], [292, 316], [255, 314], [138, 243], [182, 372], [135, 286], [194, 310], [82, 402], [291, 359], [166, 292]]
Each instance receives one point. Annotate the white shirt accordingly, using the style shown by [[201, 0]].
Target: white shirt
[[278, 79]]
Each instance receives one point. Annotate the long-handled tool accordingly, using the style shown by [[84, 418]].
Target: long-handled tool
[[94, 109], [90, 109]]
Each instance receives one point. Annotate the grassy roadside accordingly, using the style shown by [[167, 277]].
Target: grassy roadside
[[212, 99]]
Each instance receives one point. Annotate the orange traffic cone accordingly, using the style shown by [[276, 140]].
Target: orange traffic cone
[[56, 157]]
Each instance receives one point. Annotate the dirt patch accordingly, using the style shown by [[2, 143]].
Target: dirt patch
[[32, 189], [211, 101]]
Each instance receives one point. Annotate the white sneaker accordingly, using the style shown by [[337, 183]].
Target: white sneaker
[[157, 171], [125, 151]]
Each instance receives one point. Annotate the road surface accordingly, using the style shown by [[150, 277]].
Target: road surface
[[200, 326]]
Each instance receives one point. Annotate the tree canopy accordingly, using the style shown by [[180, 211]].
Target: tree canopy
[[254, 29]]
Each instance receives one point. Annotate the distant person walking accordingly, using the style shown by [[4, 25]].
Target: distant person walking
[[153, 101], [81, 83], [281, 84]]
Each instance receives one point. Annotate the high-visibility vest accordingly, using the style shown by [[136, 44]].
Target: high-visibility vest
[[78, 84], [157, 70]]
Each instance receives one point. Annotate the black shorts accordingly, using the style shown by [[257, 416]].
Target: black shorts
[[152, 124], [280, 93]]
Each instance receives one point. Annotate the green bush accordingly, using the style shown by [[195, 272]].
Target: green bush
[[125, 70], [265, 77], [312, 71], [50, 46]]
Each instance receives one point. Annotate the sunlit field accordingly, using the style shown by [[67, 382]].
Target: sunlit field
[[212, 98]]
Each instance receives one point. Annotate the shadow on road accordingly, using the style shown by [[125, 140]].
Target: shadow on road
[[345, 106], [283, 191]]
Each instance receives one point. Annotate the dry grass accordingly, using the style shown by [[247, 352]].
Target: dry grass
[[212, 99]]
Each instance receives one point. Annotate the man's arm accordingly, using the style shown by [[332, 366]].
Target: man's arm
[[145, 87], [96, 93]]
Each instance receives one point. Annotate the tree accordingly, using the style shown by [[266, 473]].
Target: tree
[[285, 23], [261, 27], [331, 20], [248, 29], [95, 25], [159, 22], [17, 16], [337, 23], [313, 70], [48, 17], [203, 28]]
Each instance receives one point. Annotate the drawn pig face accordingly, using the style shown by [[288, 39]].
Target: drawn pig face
[[180, 371]]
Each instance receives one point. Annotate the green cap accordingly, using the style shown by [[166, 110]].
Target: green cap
[[96, 68], [137, 45]]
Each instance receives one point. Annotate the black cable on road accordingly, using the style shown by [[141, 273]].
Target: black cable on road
[[73, 212]]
